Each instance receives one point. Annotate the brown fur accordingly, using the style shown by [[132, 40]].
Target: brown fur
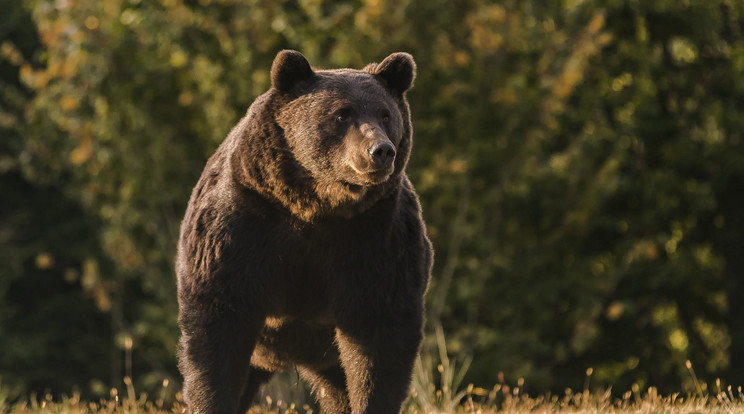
[[304, 246]]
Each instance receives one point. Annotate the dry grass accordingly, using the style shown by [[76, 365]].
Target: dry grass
[[436, 389], [586, 402], [500, 399]]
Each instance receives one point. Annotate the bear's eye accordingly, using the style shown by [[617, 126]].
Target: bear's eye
[[385, 117], [342, 118]]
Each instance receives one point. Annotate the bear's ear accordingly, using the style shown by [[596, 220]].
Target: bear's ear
[[289, 68], [397, 71]]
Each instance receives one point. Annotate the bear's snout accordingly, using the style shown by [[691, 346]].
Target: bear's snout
[[382, 154]]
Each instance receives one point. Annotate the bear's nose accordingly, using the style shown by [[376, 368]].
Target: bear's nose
[[383, 154]]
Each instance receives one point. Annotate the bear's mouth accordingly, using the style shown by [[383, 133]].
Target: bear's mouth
[[375, 177], [360, 179], [371, 177]]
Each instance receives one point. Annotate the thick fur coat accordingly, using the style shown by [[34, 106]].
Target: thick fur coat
[[303, 245]]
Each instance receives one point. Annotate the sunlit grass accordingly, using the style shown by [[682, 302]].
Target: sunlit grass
[[500, 399], [503, 399], [437, 389]]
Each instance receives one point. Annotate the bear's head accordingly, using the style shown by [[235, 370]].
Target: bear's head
[[348, 130]]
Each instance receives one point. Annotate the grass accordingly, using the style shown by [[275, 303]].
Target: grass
[[500, 399], [437, 389]]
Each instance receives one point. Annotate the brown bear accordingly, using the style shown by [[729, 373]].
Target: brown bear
[[303, 245]]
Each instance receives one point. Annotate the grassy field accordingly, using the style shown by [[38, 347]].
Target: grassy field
[[437, 388], [474, 400]]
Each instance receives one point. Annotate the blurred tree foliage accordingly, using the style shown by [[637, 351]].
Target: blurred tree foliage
[[580, 164]]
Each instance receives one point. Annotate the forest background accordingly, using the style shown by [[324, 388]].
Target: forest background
[[580, 164]]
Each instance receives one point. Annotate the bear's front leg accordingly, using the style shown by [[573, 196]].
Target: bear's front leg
[[378, 353], [214, 357]]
